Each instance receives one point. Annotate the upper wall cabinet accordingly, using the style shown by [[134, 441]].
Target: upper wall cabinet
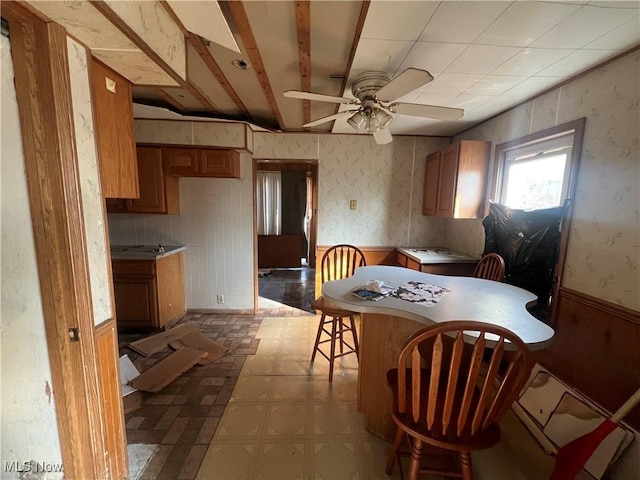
[[455, 180], [201, 162], [158, 192], [113, 111]]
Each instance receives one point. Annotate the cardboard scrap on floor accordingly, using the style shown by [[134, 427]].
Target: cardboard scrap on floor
[[156, 343], [198, 341], [131, 397], [167, 370], [191, 348]]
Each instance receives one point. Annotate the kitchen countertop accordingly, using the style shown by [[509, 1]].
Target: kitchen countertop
[[143, 252], [429, 255]]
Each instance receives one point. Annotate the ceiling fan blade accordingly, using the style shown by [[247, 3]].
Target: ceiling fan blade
[[427, 111], [317, 97], [383, 136], [404, 83], [329, 118]]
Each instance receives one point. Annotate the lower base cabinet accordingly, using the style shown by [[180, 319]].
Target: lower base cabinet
[[149, 294], [456, 269]]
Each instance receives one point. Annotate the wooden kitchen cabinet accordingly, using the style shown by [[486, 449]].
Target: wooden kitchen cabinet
[[116, 146], [202, 162], [463, 269], [159, 192], [455, 180], [149, 294]]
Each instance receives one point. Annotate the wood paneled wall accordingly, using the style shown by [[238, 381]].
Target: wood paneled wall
[[106, 340], [596, 349], [372, 255]]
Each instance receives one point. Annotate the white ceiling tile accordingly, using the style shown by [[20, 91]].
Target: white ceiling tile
[[577, 62], [524, 22], [481, 59], [621, 38], [531, 86], [397, 20], [434, 57], [469, 102], [531, 60], [584, 26], [428, 98], [383, 55], [461, 22], [452, 83], [494, 84]]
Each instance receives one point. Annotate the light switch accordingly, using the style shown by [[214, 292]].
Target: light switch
[[353, 204]]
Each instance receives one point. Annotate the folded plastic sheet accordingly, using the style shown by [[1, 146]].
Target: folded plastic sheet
[[529, 242]]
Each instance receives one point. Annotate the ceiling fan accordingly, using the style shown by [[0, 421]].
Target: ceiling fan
[[374, 94]]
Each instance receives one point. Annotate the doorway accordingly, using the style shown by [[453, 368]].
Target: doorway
[[286, 194]]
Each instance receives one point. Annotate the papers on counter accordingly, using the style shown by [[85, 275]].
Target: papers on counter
[[372, 290]]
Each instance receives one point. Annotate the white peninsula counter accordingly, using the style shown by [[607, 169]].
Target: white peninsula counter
[[388, 323]]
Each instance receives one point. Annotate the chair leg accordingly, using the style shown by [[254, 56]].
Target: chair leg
[[332, 357], [393, 453], [465, 464], [340, 330], [416, 454], [354, 332], [315, 346]]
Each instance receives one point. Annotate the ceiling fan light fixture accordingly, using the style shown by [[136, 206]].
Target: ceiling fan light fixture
[[357, 120], [383, 118], [372, 124]]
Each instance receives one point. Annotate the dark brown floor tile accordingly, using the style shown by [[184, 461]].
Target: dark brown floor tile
[[192, 463], [175, 431], [156, 463], [174, 463]]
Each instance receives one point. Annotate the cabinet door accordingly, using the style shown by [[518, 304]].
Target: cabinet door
[[180, 161], [448, 179], [220, 163], [113, 110], [136, 302], [152, 194], [431, 180]]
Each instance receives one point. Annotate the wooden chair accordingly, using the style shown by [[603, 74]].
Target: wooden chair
[[490, 267], [340, 261], [445, 395]]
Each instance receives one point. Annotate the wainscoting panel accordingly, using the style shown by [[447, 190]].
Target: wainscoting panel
[[596, 349]]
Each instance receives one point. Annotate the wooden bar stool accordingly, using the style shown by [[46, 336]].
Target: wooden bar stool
[[340, 261]]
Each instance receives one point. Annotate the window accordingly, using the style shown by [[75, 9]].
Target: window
[[536, 171]]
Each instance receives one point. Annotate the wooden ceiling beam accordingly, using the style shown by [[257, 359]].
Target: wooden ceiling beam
[[104, 8], [241, 20], [303, 23], [354, 46], [200, 46], [171, 101]]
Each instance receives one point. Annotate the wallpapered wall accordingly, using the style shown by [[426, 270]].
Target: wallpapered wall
[[216, 218], [603, 257]]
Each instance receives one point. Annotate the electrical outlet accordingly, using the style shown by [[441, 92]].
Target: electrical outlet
[[220, 298], [353, 204]]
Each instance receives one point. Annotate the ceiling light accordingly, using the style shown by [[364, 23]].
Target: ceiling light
[[372, 124], [241, 63], [357, 120], [384, 119]]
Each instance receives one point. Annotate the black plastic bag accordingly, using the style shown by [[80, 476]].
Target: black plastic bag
[[529, 242]]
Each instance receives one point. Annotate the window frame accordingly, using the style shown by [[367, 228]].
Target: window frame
[[502, 150], [577, 128], [544, 148]]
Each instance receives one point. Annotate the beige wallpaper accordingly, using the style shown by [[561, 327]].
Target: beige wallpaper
[[604, 247]]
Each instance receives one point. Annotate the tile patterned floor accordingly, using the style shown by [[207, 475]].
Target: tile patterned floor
[[182, 418], [290, 286], [264, 412]]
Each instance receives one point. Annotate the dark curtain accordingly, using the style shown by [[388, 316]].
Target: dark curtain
[[529, 242], [294, 203]]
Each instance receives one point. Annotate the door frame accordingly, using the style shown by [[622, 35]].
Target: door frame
[[310, 166], [43, 92]]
